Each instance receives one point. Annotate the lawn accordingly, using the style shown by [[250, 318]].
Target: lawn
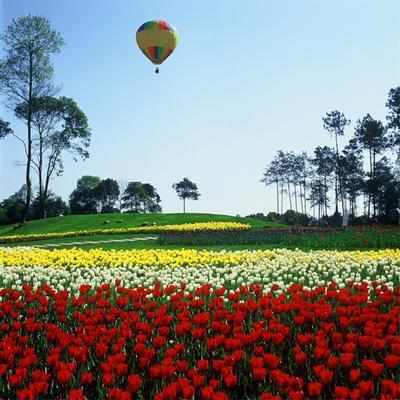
[[96, 221]]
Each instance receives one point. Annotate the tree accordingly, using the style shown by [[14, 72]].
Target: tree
[[13, 207], [134, 197], [272, 175], [55, 206], [351, 165], [370, 134], [152, 200], [122, 185], [386, 187], [186, 189], [141, 197], [324, 165], [26, 74], [61, 127], [393, 104], [106, 193], [82, 199], [335, 123], [304, 173]]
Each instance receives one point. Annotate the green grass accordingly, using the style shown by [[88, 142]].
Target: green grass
[[95, 221]]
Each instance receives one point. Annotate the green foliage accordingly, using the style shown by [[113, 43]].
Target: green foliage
[[26, 74], [106, 193], [141, 198], [13, 207], [26, 69], [186, 189], [55, 206], [290, 217], [82, 199], [5, 129]]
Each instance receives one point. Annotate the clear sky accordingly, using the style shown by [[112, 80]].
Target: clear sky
[[247, 79]]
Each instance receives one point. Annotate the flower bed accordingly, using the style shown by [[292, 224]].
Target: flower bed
[[67, 269], [313, 238], [187, 324], [111, 342], [194, 227]]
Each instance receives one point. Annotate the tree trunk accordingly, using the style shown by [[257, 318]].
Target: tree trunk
[[325, 196], [289, 194], [375, 189], [42, 196], [277, 197], [184, 205], [301, 198], [339, 179], [295, 197], [370, 177], [29, 145]]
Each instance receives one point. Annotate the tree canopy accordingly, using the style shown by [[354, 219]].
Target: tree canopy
[[186, 189]]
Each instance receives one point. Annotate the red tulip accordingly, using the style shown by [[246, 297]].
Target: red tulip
[[134, 383], [314, 389], [341, 393]]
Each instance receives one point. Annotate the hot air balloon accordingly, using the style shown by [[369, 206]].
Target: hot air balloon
[[157, 39]]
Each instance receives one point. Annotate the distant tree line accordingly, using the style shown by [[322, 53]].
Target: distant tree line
[[361, 173], [93, 195]]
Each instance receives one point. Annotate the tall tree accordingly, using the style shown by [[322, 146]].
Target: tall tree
[[61, 127], [335, 123], [26, 74], [386, 187], [122, 185], [371, 136], [304, 172], [55, 206], [272, 176], [393, 104], [324, 165], [82, 200], [153, 199], [134, 197], [186, 189], [13, 206], [351, 162], [106, 193]]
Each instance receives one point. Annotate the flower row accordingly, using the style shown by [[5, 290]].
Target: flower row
[[195, 227], [68, 269], [122, 343]]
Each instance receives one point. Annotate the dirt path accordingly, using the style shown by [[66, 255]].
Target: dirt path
[[95, 242]]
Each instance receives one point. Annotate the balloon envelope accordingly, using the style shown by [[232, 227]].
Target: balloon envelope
[[157, 39]]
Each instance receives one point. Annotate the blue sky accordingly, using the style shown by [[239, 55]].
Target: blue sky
[[246, 80]]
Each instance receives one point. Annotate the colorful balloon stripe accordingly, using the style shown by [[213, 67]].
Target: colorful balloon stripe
[[157, 40]]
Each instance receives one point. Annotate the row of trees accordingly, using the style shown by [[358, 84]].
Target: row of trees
[[306, 181], [93, 195], [55, 125]]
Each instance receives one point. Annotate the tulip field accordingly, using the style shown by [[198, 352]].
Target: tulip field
[[170, 324]]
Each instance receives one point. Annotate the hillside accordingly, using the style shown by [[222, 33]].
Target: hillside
[[96, 221]]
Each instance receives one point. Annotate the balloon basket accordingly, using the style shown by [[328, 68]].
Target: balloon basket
[[157, 70]]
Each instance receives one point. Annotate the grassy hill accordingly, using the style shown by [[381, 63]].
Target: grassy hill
[[96, 221]]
